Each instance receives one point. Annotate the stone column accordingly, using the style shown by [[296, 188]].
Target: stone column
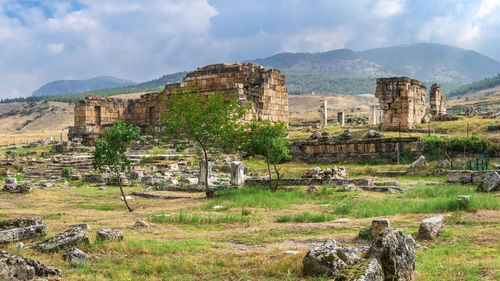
[[201, 177], [323, 113], [340, 118], [372, 119], [237, 174]]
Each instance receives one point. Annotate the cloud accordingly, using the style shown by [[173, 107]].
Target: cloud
[[42, 41]]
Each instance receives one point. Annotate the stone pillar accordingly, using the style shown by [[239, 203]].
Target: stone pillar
[[437, 100], [201, 177], [323, 113], [372, 119], [340, 118], [237, 174]]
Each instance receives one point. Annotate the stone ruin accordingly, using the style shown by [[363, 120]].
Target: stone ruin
[[403, 102], [265, 87], [437, 100]]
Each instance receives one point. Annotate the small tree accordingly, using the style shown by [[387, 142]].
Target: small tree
[[209, 121], [267, 140], [110, 151]]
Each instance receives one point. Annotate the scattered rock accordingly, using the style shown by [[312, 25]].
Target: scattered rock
[[217, 207], [12, 186], [311, 190], [127, 197], [109, 235], [141, 223], [379, 225], [13, 267], [315, 135], [373, 134], [64, 240], [291, 252], [326, 174], [430, 228], [19, 245], [237, 173], [346, 134], [464, 201], [21, 229], [396, 256], [342, 220], [491, 182], [74, 254], [328, 259], [101, 188], [443, 163], [347, 188], [420, 162], [81, 225]]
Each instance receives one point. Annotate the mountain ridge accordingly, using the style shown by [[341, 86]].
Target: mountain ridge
[[61, 87]]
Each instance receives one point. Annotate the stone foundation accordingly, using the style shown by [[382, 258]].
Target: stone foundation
[[334, 151]]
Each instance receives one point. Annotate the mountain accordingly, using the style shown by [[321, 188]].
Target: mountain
[[424, 61], [61, 87]]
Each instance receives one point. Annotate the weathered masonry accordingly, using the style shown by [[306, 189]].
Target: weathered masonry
[[334, 151], [437, 100], [265, 87], [403, 102]]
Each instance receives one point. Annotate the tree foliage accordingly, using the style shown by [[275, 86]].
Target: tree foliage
[[268, 140], [208, 121], [476, 86], [110, 150]]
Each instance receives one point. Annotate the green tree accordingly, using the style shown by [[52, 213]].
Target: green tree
[[208, 121], [268, 140], [110, 151]]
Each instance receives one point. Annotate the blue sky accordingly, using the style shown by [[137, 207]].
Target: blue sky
[[42, 41]]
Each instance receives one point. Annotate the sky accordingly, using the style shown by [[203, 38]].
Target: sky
[[43, 41]]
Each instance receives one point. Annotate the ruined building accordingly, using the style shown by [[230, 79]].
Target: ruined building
[[403, 102], [265, 87], [437, 100]]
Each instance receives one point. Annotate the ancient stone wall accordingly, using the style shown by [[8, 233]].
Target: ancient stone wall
[[265, 87], [334, 151], [403, 102], [437, 100]]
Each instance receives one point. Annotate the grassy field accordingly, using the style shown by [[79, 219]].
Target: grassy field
[[245, 237]]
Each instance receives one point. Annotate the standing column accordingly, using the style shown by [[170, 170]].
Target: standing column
[[201, 177], [372, 119], [340, 118], [323, 113], [237, 174]]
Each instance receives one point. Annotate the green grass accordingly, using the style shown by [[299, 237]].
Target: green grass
[[194, 218], [305, 217], [419, 199]]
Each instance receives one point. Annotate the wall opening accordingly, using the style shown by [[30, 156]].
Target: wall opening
[[97, 110]]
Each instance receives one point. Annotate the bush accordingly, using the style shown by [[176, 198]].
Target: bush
[[66, 172], [472, 144]]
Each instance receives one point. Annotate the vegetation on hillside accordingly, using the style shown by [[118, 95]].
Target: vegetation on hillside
[[301, 83], [476, 86]]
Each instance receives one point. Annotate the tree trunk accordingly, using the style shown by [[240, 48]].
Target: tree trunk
[[123, 194], [270, 176], [208, 191], [278, 174]]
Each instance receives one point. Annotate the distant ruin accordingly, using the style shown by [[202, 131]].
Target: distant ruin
[[437, 100], [403, 102], [265, 87]]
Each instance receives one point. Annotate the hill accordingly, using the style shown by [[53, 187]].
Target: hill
[[76, 86], [426, 62], [486, 86]]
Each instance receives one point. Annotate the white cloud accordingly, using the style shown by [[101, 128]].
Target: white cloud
[[313, 40], [387, 8]]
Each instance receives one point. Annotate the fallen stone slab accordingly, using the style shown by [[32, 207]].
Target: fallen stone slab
[[490, 182], [21, 229], [430, 228], [387, 189], [420, 162], [155, 196], [13, 267], [459, 176], [74, 254], [64, 240], [143, 224], [18, 187], [109, 235]]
